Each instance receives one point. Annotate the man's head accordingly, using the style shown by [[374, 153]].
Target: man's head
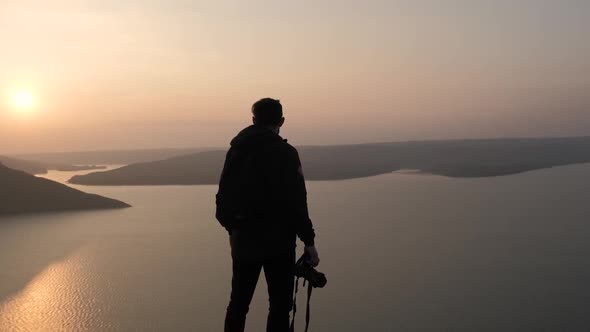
[[268, 112]]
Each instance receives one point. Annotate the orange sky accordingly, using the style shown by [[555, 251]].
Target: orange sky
[[107, 75]]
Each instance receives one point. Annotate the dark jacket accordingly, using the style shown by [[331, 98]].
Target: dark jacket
[[262, 200]]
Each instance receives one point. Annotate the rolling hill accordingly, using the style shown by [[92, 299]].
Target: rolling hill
[[452, 158], [108, 157]]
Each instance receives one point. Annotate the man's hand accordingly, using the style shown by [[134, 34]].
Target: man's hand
[[313, 258]]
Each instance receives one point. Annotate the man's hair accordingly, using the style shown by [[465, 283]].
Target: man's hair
[[267, 112]]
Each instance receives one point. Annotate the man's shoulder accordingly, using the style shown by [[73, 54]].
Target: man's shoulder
[[285, 148]]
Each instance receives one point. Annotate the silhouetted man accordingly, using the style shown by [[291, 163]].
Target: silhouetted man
[[262, 204]]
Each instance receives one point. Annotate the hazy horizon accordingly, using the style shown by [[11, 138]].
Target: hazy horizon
[[106, 75], [222, 147]]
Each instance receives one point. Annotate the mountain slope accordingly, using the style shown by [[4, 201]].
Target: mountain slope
[[453, 158], [23, 193]]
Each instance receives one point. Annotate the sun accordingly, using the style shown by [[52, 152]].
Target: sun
[[22, 100]]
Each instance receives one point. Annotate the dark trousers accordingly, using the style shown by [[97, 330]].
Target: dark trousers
[[278, 271]]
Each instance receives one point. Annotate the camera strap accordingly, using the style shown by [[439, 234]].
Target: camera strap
[[307, 309], [307, 314]]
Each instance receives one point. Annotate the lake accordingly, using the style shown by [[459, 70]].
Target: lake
[[401, 252]]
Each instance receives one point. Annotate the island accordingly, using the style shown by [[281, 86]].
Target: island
[[451, 158], [21, 192]]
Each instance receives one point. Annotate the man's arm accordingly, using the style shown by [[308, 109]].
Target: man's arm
[[297, 200], [223, 203]]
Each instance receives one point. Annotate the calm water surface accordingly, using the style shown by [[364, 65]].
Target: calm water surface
[[402, 253]]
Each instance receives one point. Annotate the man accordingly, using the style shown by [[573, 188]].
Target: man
[[262, 204]]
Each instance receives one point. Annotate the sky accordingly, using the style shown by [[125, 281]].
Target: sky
[[150, 74]]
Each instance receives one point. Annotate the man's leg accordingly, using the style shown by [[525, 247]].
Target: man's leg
[[280, 279], [244, 279]]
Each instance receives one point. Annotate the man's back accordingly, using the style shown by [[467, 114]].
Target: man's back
[[262, 203], [262, 197]]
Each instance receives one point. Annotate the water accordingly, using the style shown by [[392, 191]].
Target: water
[[402, 253]]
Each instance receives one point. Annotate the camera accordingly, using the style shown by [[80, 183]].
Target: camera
[[307, 272]]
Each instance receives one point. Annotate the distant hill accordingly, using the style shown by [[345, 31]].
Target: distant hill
[[198, 168], [114, 157], [31, 167], [453, 158], [21, 192], [36, 167]]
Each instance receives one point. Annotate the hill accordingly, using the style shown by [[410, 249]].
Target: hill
[[36, 167], [31, 167], [453, 158], [106, 157], [199, 168], [21, 192]]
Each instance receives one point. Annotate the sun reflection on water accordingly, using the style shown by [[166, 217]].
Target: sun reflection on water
[[54, 300]]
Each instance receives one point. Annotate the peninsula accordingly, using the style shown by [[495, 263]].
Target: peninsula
[[21, 192]]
